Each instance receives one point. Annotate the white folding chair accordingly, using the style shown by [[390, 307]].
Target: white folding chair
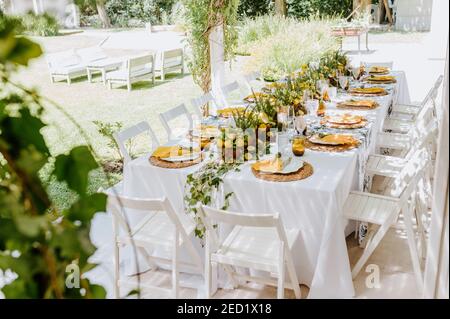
[[172, 114], [412, 110], [405, 126], [228, 90], [257, 242], [384, 211], [251, 82], [123, 136], [412, 135], [161, 227], [199, 103]]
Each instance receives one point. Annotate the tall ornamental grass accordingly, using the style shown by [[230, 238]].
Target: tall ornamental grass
[[279, 45]]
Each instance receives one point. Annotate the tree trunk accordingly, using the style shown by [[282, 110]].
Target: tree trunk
[[106, 23], [280, 7]]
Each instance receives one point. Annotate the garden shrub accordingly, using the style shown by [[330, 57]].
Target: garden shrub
[[307, 8], [43, 25], [253, 8], [132, 13]]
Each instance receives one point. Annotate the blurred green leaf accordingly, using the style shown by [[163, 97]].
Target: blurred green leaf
[[74, 168], [85, 208]]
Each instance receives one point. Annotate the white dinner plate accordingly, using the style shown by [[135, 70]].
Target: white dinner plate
[[190, 157]]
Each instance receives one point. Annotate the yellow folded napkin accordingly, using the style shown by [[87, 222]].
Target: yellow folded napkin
[[347, 119], [381, 78], [378, 69], [172, 151], [371, 90], [272, 165], [338, 139], [360, 103]]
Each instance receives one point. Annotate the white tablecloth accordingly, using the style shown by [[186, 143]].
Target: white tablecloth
[[311, 205]]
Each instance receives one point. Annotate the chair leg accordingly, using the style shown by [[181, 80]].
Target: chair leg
[[229, 272], [175, 279], [116, 271], [281, 272], [69, 80], [370, 248], [293, 277], [129, 87], [52, 79], [208, 270], [413, 248], [163, 76]]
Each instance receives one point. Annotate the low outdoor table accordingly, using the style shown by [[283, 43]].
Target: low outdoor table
[[103, 66], [342, 32]]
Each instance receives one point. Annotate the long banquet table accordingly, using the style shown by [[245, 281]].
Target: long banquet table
[[313, 205]]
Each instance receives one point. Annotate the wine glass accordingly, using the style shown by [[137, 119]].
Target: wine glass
[[343, 82], [355, 73]]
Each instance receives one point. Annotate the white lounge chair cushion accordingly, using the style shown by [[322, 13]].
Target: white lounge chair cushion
[[63, 59], [123, 74], [91, 54], [68, 70]]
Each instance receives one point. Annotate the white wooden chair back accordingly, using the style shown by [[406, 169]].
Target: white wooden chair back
[[388, 64], [123, 136], [199, 102], [211, 215], [422, 136], [406, 181], [140, 62], [117, 206], [436, 87], [173, 57], [227, 90], [251, 82], [172, 114]]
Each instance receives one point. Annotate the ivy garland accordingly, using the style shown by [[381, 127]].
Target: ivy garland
[[201, 187], [202, 16]]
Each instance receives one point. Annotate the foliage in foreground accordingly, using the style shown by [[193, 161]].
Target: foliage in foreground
[[38, 241], [38, 25], [281, 45]]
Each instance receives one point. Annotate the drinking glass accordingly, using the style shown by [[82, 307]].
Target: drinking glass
[[298, 145], [312, 106]]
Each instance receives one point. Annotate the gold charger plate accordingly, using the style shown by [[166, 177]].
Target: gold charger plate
[[304, 172], [331, 148], [156, 161]]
